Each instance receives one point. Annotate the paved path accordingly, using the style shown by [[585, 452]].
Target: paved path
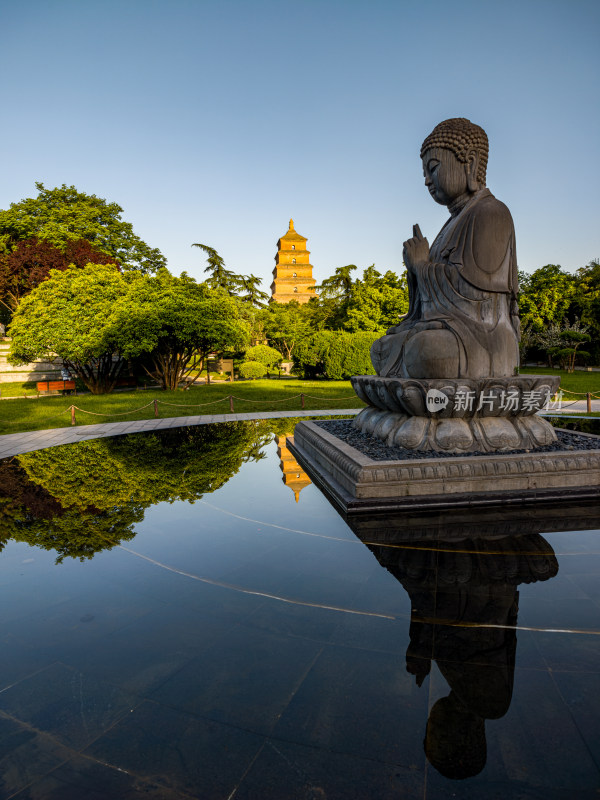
[[576, 407], [12, 444]]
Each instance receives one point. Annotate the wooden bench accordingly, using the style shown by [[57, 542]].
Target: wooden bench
[[130, 383], [56, 386]]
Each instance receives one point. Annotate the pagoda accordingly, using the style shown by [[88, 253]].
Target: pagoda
[[292, 276]]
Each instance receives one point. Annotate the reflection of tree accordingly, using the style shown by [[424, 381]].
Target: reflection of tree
[[83, 498], [464, 606]]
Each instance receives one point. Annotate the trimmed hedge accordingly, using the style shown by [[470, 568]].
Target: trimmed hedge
[[336, 355], [252, 369], [264, 354]]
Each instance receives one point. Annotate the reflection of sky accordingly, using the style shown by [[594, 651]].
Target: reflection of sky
[[260, 636]]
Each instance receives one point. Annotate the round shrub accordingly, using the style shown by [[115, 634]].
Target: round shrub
[[268, 356], [252, 369]]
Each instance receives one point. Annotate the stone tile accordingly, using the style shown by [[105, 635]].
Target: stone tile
[[563, 613], [359, 703], [568, 652], [26, 755], [18, 662], [538, 744], [82, 620], [142, 656], [287, 771], [246, 678], [83, 778], [287, 619], [581, 694], [64, 703], [180, 751]]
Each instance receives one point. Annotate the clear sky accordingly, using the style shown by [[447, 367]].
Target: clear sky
[[216, 122]]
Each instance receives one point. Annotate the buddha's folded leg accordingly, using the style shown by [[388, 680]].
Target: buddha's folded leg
[[432, 354], [425, 353], [386, 353]]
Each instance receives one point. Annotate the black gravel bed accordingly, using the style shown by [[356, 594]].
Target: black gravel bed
[[378, 451]]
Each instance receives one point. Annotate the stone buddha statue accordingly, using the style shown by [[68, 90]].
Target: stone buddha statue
[[462, 320]]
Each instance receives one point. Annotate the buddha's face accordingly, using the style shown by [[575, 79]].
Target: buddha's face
[[445, 175]]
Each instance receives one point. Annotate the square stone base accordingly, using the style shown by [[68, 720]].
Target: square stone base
[[357, 483]]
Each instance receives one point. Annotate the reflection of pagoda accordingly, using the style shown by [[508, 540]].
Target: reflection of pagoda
[[293, 474]]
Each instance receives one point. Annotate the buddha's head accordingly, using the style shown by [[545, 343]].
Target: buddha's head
[[454, 158], [455, 739]]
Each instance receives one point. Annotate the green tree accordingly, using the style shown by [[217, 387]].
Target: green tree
[[561, 342], [371, 303], [285, 324], [570, 341], [62, 214], [586, 302], [376, 302], [250, 293], [545, 296], [219, 276], [339, 285], [174, 323], [69, 315]]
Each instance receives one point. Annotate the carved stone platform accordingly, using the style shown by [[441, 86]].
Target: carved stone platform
[[357, 483], [486, 415]]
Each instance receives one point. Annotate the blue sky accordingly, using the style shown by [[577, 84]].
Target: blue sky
[[216, 122]]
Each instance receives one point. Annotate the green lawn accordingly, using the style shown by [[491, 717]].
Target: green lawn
[[28, 414], [580, 382], [249, 396]]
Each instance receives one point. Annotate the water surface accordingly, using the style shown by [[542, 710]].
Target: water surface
[[184, 615]]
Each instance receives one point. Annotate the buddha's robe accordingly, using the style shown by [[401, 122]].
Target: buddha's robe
[[468, 287]]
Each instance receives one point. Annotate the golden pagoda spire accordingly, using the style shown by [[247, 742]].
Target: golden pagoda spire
[[291, 228]]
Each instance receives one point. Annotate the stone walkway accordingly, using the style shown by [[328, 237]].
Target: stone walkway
[[13, 444], [576, 407]]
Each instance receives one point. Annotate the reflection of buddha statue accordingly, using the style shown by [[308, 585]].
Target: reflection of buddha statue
[[462, 320], [464, 605]]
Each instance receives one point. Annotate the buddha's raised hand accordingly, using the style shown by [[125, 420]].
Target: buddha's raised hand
[[416, 250]]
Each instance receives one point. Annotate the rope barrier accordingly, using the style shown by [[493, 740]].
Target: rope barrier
[[580, 394], [192, 405], [120, 414], [231, 399], [568, 405], [245, 399]]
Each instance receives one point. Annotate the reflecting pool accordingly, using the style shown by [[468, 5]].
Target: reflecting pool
[[184, 615]]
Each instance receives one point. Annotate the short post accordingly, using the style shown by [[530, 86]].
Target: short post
[[231, 403], [155, 408], [589, 402], [73, 416], [302, 400]]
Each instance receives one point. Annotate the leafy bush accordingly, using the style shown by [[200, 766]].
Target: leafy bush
[[252, 369], [268, 356], [336, 355]]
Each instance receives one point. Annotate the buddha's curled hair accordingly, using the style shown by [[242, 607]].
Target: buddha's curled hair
[[460, 136]]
